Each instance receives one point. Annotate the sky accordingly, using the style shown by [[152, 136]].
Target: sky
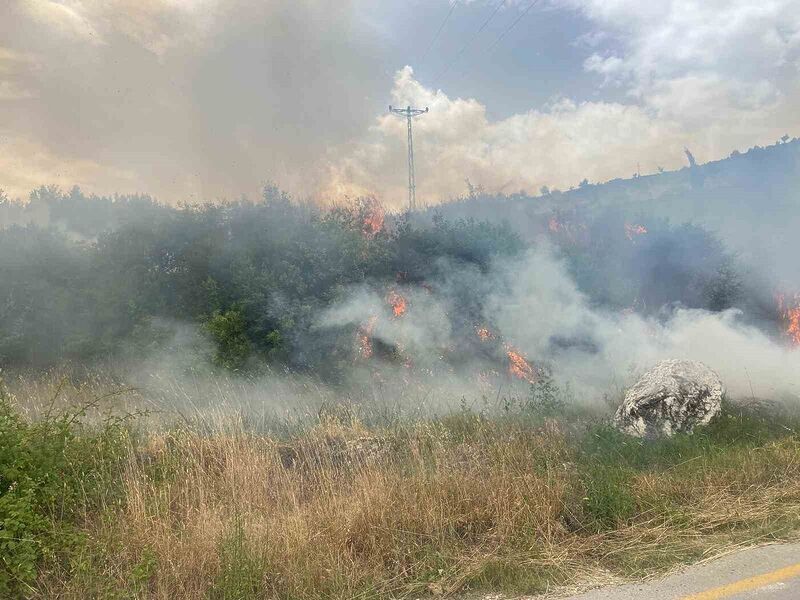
[[200, 100]]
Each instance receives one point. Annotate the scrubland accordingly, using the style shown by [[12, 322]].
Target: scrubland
[[516, 495]]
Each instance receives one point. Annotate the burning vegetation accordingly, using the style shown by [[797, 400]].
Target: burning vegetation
[[632, 231], [364, 338], [789, 311], [258, 278], [554, 225], [373, 217], [262, 281], [487, 369], [518, 366], [567, 228], [484, 333], [397, 302]]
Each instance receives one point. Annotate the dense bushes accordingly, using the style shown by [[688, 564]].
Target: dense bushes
[[52, 472], [624, 264], [255, 277]]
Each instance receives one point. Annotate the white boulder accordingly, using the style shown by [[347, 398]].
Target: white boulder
[[674, 396]]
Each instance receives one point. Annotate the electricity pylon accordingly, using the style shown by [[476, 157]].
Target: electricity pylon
[[410, 113]]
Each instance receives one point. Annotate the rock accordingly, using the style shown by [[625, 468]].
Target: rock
[[674, 396]]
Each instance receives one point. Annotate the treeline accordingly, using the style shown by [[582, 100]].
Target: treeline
[[79, 214], [255, 275], [100, 275], [647, 264]]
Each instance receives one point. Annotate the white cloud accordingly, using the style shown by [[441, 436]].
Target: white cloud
[[613, 68], [204, 98], [713, 75], [560, 144], [739, 40]]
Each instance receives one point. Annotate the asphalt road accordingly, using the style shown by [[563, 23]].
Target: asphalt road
[[765, 573]]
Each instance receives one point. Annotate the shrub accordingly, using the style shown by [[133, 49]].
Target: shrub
[[51, 472], [229, 332]]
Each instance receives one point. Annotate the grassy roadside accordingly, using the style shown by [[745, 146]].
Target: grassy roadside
[[521, 501]]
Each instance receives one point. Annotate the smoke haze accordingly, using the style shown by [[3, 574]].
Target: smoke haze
[[194, 100], [198, 100], [536, 307]]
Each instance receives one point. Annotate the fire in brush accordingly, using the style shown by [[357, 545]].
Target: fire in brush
[[372, 217], [632, 231], [397, 302], [364, 338], [518, 365], [484, 333], [789, 311]]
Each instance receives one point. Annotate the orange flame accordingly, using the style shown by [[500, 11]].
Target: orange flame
[[484, 333], [373, 217], [633, 231], [364, 338], [398, 303], [518, 366], [793, 326], [790, 316], [569, 229]]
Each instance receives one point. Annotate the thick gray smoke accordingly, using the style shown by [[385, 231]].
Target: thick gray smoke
[[191, 99], [537, 308], [544, 304], [200, 99]]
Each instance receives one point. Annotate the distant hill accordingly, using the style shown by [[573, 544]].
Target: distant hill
[[751, 200]]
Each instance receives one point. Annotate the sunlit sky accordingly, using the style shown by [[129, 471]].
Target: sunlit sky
[[194, 100]]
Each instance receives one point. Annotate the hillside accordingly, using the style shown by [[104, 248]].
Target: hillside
[[749, 199]]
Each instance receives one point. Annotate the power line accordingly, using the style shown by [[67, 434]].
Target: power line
[[510, 27], [505, 32], [439, 31], [470, 41]]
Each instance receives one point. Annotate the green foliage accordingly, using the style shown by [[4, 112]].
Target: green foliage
[[257, 275], [229, 332], [620, 268], [609, 460], [608, 502], [545, 397], [142, 572], [724, 289], [50, 473]]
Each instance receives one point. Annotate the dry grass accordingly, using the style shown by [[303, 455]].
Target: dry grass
[[429, 508], [516, 502]]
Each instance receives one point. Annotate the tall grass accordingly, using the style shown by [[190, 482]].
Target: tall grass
[[529, 497]]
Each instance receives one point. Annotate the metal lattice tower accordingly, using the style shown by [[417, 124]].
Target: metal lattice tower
[[409, 113]]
